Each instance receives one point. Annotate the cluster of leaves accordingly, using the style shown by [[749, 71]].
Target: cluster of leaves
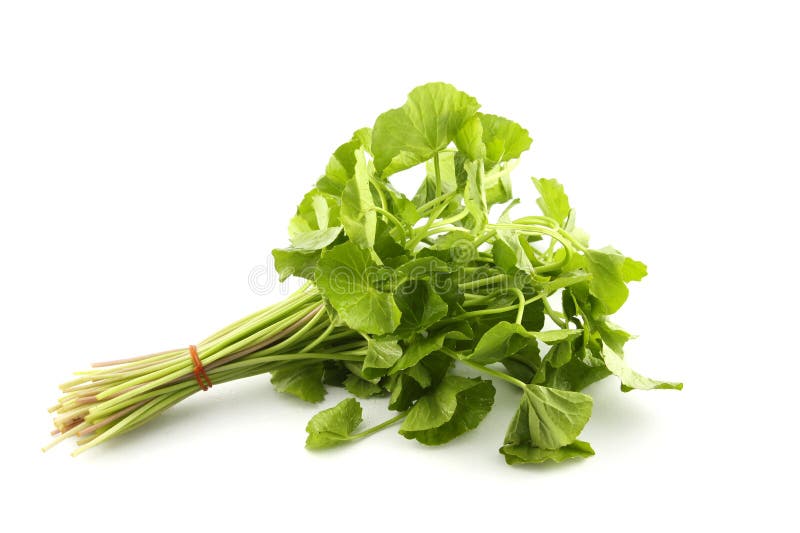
[[430, 283]]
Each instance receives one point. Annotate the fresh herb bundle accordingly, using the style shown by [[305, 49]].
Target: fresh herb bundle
[[402, 292]]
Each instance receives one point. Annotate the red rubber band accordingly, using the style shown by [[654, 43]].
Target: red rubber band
[[199, 372]]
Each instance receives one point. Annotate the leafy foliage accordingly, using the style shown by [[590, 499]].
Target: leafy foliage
[[348, 278], [549, 418], [457, 405], [302, 380], [423, 126], [414, 288], [631, 379], [522, 453], [335, 425]]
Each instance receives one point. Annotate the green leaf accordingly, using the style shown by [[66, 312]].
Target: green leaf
[[498, 189], [345, 276], [565, 280], [583, 369], [475, 197], [456, 406], [401, 206], [556, 335], [504, 256], [426, 123], [420, 347], [522, 453], [524, 364], [469, 139], [341, 166], [291, 262], [382, 354], [613, 336], [416, 351], [568, 304], [335, 425], [559, 355], [576, 375], [607, 283], [363, 137], [361, 387], [334, 373], [421, 375], [386, 246], [431, 370], [509, 258], [322, 210], [302, 380], [507, 249], [631, 379], [633, 270], [317, 211], [405, 390], [548, 418], [409, 385], [358, 209], [553, 202], [315, 239], [577, 299], [420, 306], [505, 339], [504, 139], [419, 268]]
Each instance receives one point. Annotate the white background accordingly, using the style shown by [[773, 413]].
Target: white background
[[151, 154]]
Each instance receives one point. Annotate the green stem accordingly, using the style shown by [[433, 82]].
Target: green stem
[[549, 252], [483, 282], [483, 238], [536, 221], [299, 293], [482, 186], [393, 219], [450, 220], [523, 223], [521, 308], [319, 339], [553, 314], [472, 299], [438, 175], [321, 314], [422, 232], [495, 373], [340, 356], [432, 204], [379, 191], [492, 310], [379, 427], [443, 229], [561, 236], [184, 367]]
